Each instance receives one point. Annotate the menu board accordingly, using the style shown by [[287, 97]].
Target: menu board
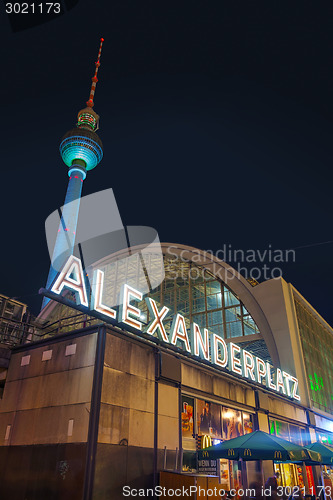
[[224, 474], [208, 466]]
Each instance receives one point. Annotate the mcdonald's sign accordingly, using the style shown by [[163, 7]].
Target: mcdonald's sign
[[247, 452], [206, 441], [278, 455], [205, 454], [231, 452]]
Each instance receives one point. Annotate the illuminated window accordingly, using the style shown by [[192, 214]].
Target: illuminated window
[[290, 432], [187, 417]]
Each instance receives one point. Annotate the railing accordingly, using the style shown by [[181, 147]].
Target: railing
[[13, 332], [67, 324]]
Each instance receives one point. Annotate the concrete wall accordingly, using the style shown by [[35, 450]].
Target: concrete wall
[[44, 419], [127, 401], [168, 417], [46, 387], [213, 384]]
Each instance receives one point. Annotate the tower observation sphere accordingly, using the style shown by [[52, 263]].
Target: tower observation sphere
[[81, 150], [82, 142]]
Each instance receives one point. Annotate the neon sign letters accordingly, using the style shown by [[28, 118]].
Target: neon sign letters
[[198, 342]]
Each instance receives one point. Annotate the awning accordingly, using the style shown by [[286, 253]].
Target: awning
[[259, 445], [325, 452]]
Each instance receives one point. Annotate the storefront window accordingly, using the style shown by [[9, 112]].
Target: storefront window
[[290, 432], [288, 476], [232, 423], [209, 419], [189, 461], [282, 430], [187, 416], [271, 427], [247, 423], [208, 422], [295, 434], [325, 438], [305, 436]]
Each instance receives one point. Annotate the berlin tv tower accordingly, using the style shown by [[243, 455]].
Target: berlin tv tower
[[81, 150]]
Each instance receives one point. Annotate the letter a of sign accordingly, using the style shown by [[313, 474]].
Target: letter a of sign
[[71, 277]]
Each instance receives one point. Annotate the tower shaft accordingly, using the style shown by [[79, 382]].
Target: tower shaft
[[65, 239]]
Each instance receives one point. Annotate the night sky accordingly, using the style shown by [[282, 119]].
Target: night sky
[[216, 120]]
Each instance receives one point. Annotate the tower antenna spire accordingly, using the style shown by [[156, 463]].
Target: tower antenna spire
[[90, 102]]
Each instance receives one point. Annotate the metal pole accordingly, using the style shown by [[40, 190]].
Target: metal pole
[[94, 415], [181, 460], [262, 473], [323, 483], [305, 478], [165, 458], [156, 355]]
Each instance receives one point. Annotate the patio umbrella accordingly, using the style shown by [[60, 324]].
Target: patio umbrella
[[325, 451], [259, 445]]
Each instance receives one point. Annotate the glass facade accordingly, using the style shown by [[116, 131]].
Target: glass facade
[[317, 344], [188, 290], [325, 437]]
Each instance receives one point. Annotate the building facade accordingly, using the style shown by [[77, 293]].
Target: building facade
[[109, 400]]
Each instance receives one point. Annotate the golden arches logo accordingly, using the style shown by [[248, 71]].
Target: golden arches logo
[[231, 452], [206, 441], [247, 452], [278, 455], [205, 454]]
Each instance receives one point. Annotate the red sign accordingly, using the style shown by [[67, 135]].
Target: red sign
[[309, 475]]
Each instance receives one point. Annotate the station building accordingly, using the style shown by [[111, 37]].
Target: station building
[[106, 396]]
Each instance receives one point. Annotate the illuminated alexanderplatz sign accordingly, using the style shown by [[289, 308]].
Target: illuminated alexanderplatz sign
[[198, 342]]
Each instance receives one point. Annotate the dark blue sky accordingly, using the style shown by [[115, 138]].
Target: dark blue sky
[[227, 106]]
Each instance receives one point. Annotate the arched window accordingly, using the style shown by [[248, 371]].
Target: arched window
[[193, 292]]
